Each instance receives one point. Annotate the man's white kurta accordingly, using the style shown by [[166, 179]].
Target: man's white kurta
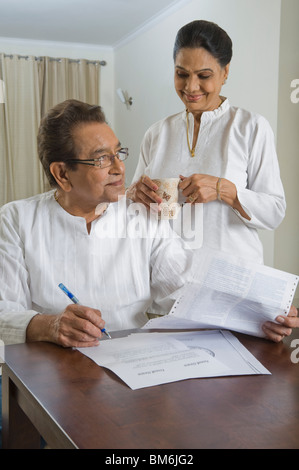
[[233, 144], [125, 261]]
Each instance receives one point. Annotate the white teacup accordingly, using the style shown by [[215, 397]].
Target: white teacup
[[168, 190]]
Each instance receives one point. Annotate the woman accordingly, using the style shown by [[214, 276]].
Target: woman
[[225, 156]]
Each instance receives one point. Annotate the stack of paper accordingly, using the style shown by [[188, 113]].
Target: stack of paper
[[148, 359], [230, 292]]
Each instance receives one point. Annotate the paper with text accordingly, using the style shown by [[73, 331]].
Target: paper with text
[[146, 360], [232, 293], [225, 347], [149, 359]]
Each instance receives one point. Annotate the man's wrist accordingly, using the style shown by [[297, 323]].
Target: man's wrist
[[40, 328]]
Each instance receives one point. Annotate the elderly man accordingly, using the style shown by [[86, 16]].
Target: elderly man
[[76, 234], [65, 236]]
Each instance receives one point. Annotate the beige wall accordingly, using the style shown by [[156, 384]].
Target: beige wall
[[286, 248]]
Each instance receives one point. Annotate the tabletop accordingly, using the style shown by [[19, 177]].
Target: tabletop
[[75, 403]]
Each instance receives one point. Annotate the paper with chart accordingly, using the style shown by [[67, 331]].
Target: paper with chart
[[146, 360], [149, 359], [232, 293]]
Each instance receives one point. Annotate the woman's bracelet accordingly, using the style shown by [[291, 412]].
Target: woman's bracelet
[[218, 189]]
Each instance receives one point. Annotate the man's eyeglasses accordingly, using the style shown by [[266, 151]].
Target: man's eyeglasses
[[105, 160]]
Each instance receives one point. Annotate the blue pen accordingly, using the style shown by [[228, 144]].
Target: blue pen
[[76, 301]]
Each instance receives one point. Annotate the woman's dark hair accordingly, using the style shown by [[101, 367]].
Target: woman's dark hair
[[208, 35], [55, 141]]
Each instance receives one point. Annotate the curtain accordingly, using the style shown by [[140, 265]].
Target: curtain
[[65, 78], [20, 170], [32, 86]]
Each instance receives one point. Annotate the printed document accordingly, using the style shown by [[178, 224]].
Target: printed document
[[232, 293], [148, 359]]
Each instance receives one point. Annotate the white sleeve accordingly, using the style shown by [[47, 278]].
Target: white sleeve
[[263, 199], [15, 298], [172, 264], [143, 157]]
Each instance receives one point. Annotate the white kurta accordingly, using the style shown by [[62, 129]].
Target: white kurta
[[116, 268], [233, 144]]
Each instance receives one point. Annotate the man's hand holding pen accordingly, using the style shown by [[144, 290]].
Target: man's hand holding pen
[[77, 326]]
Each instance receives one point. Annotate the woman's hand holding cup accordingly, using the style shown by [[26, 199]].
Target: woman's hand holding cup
[[144, 191]]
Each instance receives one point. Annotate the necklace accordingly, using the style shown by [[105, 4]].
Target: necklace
[[99, 210], [56, 197], [192, 150]]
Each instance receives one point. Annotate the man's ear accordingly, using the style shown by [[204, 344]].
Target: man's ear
[[60, 172]]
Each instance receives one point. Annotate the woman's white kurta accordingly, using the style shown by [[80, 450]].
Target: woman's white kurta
[[233, 144], [125, 262]]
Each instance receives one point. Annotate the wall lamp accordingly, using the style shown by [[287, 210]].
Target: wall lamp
[[124, 97]]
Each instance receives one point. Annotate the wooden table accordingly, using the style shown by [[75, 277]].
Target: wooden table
[[73, 403]]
